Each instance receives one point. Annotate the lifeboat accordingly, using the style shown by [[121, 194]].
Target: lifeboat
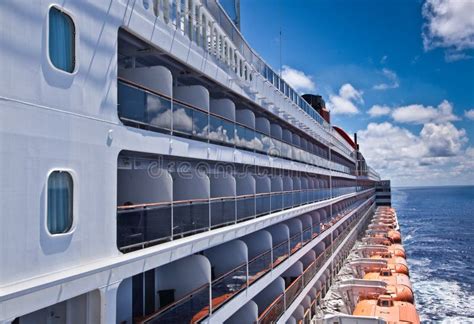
[[382, 226], [397, 250], [394, 263], [394, 236], [384, 220], [398, 282], [390, 310]]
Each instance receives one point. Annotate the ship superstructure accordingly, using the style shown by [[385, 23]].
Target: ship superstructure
[[156, 170]]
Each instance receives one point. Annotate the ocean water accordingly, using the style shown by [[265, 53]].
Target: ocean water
[[437, 225]]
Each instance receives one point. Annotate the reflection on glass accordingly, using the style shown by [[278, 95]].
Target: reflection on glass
[[182, 119], [140, 106], [200, 124], [221, 130], [158, 111], [244, 137], [131, 102]]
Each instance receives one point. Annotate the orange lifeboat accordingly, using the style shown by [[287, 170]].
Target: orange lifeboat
[[394, 236], [384, 219], [381, 239], [399, 284], [397, 250], [394, 263], [388, 309]]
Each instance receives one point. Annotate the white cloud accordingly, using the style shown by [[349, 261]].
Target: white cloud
[[469, 114], [383, 60], [419, 114], [434, 156], [377, 111], [298, 79], [345, 102], [449, 24], [392, 77], [453, 56], [442, 140]]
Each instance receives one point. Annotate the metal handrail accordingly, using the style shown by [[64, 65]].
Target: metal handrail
[[323, 256], [264, 313], [157, 93], [174, 304]]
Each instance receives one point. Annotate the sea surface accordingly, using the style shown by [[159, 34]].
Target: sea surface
[[437, 225]]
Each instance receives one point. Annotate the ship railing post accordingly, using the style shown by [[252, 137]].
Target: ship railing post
[[210, 297]]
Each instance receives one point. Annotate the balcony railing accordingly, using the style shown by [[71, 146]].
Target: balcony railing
[[259, 265], [293, 290], [189, 309], [281, 251], [195, 307], [272, 313], [144, 225], [145, 108], [228, 284]]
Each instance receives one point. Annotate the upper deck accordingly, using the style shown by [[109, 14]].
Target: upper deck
[[202, 29]]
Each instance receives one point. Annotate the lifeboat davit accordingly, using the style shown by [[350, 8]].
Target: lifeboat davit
[[398, 282], [390, 310], [394, 263]]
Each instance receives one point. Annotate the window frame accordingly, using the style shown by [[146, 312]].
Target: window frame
[[76, 41], [73, 224]]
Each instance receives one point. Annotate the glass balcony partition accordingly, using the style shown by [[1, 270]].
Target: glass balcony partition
[[190, 308], [144, 108], [297, 198], [228, 284], [225, 286], [223, 211], [295, 242], [281, 252], [293, 290], [183, 119], [245, 207], [221, 130], [287, 199], [262, 204], [259, 265], [143, 226], [276, 201], [190, 217], [271, 314], [307, 234]]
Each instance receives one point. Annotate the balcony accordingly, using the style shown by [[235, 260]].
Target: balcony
[[202, 200], [189, 309], [219, 279], [273, 312], [149, 109]]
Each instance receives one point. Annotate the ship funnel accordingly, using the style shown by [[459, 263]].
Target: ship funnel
[[318, 103]]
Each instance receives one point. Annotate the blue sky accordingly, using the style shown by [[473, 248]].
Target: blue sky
[[399, 72]]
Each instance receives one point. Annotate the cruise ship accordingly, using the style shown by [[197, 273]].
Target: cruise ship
[[154, 169]]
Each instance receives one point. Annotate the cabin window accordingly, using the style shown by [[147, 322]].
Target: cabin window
[[59, 204], [61, 40]]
